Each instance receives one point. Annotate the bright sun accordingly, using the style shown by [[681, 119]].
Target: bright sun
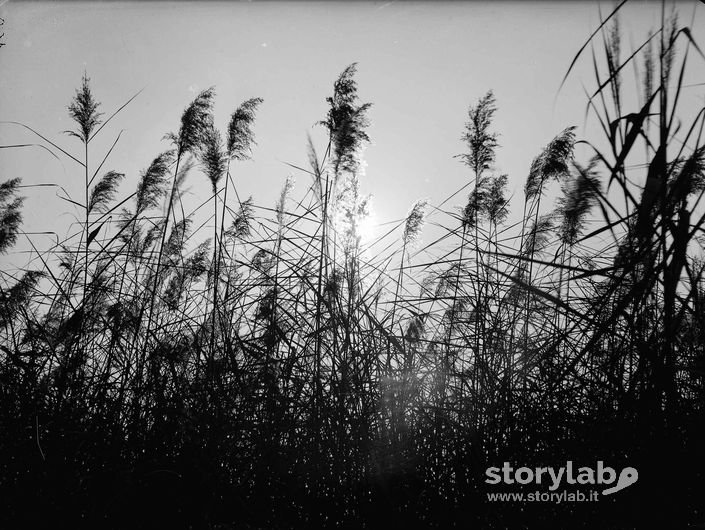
[[367, 229]]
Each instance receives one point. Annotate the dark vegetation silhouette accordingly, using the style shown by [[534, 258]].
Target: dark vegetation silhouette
[[278, 375]]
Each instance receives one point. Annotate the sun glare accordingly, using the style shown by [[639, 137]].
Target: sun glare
[[367, 230]]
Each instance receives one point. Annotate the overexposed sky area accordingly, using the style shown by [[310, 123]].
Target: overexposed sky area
[[421, 64]]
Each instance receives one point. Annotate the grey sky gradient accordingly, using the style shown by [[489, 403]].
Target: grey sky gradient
[[421, 64]]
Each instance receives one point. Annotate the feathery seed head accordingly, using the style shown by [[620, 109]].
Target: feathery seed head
[[213, 156], [346, 121], [414, 222], [195, 121], [240, 229], [280, 207], [104, 191], [10, 214], [152, 185], [241, 138], [551, 164], [480, 141], [580, 195], [84, 111]]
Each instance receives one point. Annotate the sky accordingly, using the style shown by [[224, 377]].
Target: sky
[[421, 65]]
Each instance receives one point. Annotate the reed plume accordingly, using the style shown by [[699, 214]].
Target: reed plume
[[10, 214]]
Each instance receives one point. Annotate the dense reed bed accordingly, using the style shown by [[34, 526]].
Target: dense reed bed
[[271, 367]]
